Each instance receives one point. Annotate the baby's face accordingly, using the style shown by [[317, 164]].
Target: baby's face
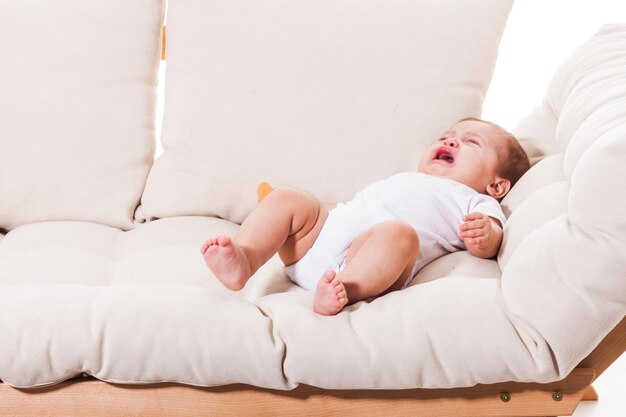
[[467, 153]]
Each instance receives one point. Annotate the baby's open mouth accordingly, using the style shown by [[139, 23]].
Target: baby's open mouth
[[444, 154]]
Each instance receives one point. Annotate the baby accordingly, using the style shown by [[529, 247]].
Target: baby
[[378, 241]]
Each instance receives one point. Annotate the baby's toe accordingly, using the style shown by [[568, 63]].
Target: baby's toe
[[329, 276], [206, 245], [223, 240]]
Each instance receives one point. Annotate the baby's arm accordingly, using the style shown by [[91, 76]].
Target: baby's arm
[[481, 234]]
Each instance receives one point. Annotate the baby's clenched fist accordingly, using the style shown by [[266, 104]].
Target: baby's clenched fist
[[476, 230]]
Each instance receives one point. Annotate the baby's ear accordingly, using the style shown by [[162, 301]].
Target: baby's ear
[[498, 187]]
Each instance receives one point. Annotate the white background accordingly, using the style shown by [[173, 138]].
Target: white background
[[539, 35]]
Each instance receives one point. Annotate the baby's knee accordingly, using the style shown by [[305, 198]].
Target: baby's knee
[[404, 234], [285, 195], [284, 191], [293, 199]]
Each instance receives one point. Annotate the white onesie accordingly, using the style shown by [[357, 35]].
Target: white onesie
[[434, 206]]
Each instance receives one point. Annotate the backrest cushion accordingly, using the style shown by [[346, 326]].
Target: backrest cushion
[[324, 95], [563, 260], [77, 108]]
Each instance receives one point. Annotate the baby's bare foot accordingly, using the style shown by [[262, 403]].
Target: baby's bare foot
[[227, 261], [330, 295]]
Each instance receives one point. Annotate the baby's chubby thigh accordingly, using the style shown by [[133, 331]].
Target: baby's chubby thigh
[[380, 260], [395, 231], [343, 223], [309, 216]]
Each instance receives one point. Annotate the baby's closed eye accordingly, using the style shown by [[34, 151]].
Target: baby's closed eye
[[473, 141]]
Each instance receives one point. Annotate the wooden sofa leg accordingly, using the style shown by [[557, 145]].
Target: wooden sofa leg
[[590, 394]]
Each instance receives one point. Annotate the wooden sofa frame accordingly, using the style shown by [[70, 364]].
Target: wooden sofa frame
[[90, 397]]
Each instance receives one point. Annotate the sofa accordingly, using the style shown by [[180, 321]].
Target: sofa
[[107, 306]]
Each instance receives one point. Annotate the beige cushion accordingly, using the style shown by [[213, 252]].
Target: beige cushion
[[538, 197], [564, 258], [77, 108], [140, 306], [324, 95], [131, 307]]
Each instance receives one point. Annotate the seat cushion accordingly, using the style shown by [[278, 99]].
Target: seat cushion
[[323, 95], [77, 108], [141, 306], [128, 307]]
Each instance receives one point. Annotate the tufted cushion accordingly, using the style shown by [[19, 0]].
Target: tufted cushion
[[563, 270], [140, 306], [324, 95], [77, 108], [126, 307]]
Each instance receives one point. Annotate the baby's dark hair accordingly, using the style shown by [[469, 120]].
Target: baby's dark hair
[[512, 159]]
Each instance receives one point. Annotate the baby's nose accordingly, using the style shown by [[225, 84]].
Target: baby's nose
[[451, 143]]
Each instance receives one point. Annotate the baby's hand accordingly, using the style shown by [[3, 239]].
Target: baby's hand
[[476, 231]]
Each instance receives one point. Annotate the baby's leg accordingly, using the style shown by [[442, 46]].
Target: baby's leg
[[287, 221], [379, 260]]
